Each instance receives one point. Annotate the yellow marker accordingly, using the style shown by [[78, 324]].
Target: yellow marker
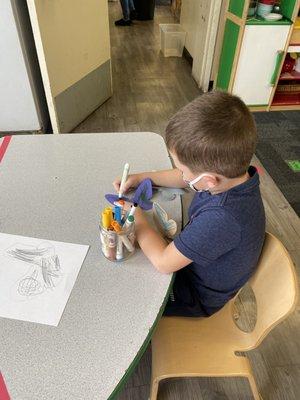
[[105, 220], [109, 211], [107, 217]]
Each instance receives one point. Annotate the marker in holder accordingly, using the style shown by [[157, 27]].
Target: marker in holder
[[117, 243]]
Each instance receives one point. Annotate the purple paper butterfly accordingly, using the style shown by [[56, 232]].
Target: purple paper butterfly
[[142, 195]]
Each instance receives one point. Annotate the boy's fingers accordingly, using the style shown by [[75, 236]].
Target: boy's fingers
[[130, 183], [116, 186], [127, 186]]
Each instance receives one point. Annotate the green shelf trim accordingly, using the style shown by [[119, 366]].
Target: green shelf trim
[[257, 105], [287, 7], [231, 34], [279, 57], [261, 21], [236, 7], [142, 350]]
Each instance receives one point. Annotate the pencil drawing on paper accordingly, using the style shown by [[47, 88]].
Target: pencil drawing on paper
[[44, 273], [37, 276]]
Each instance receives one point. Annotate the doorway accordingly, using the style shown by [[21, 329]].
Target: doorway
[[147, 87]]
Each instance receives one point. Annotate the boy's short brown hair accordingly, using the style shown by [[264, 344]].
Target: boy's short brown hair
[[214, 133]]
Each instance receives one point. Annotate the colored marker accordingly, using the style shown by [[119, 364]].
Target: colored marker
[[127, 243], [119, 251], [112, 245], [129, 228], [133, 209], [108, 210], [124, 179], [106, 217], [118, 214], [121, 203], [117, 227], [123, 237], [104, 245], [129, 221], [105, 220]]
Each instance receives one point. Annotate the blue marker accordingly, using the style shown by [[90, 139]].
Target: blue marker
[[118, 214]]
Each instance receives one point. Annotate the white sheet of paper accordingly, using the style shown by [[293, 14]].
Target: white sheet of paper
[[37, 277]]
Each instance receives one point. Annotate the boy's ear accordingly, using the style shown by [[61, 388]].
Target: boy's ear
[[212, 181]]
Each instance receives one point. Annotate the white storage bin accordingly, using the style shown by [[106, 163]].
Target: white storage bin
[[172, 39]]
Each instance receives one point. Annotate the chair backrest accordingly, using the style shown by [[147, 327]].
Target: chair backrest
[[275, 288]]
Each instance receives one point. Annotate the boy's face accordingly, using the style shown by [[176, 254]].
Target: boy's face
[[186, 172]]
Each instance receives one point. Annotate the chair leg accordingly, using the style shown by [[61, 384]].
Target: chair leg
[[254, 389], [154, 389]]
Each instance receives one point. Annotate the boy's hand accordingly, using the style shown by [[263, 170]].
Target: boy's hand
[[132, 182]]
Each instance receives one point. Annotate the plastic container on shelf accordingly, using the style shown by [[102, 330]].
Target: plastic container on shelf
[[264, 7], [252, 8], [172, 40]]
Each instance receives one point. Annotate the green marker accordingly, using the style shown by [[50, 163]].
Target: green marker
[[129, 221]]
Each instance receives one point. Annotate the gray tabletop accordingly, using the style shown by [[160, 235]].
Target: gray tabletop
[[52, 187]]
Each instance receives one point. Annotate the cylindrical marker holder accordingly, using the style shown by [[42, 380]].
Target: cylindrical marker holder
[[118, 246]]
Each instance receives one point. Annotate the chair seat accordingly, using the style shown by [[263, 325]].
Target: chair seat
[[200, 346], [185, 347]]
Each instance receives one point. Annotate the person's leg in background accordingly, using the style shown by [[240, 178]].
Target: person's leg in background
[[127, 8], [133, 13]]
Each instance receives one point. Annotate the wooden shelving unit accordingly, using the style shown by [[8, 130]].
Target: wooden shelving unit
[[289, 99], [253, 53]]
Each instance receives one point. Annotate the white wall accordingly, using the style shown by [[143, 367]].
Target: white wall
[[190, 20], [75, 38], [200, 19], [17, 107], [72, 41]]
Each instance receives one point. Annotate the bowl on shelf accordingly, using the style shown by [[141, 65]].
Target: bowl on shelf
[[273, 17]]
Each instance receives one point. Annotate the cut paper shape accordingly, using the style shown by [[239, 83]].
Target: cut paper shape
[[112, 198], [145, 192], [167, 226], [142, 195]]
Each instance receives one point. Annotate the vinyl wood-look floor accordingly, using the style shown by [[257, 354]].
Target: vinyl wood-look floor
[[148, 89]]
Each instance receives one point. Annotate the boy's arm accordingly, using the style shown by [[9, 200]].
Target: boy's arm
[[167, 178], [165, 257]]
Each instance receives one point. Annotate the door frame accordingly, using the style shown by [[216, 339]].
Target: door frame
[[202, 66]]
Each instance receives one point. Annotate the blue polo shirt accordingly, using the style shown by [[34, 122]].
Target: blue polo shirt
[[224, 238]]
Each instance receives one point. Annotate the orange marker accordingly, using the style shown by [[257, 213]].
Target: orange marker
[[117, 227]]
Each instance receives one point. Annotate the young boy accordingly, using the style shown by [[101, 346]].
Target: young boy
[[211, 142]]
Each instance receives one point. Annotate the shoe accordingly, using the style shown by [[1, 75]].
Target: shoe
[[122, 22], [133, 15]]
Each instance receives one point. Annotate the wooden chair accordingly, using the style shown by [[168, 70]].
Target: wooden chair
[[188, 347]]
